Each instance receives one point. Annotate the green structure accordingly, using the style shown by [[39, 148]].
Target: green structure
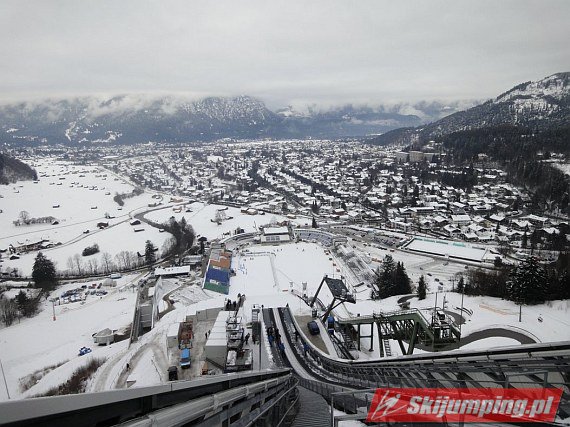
[[409, 327]]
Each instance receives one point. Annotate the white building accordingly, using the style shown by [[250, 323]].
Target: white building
[[275, 235]]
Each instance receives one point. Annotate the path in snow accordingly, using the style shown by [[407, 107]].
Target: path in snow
[[101, 379], [158, 355]]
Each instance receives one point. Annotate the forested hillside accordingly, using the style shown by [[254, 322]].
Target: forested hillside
[[523, 153], [12, 170]]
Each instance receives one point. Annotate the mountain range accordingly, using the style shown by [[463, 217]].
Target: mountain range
[[539, 105], [131, 119], [136, 118]]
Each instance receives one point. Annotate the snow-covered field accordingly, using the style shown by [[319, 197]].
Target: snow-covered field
[[201, 217], [435, 271], [77, 190], [39, 342], [491, 312]]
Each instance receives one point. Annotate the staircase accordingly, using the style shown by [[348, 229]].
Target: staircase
[[386, 332], [387, 348], [348, 342]]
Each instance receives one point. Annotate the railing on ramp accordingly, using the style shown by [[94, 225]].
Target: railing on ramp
[[236, 399]]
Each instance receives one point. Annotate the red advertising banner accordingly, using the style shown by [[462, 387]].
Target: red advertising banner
[[468, 405]]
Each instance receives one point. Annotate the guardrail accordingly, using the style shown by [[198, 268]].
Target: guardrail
[[217, 399], [535, 365]]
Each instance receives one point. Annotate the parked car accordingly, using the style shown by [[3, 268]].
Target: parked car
[[172, 373], [84, 350], [185, 361], [313, 327]]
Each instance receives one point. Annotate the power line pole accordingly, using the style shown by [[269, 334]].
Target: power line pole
[[462, 314], [5, 383], [260, 341]]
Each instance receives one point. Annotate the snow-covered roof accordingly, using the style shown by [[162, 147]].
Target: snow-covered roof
[[183, 269], [275, 230]]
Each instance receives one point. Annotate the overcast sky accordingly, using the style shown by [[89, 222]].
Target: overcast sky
[[284, 52]]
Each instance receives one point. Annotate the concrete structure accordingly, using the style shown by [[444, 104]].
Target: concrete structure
[[401, 156], [216, 346], [317, 235], [172, 336], [104, 337], [275, 235], [183, 270]]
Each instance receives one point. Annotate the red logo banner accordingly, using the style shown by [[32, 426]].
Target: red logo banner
[[468, 405]]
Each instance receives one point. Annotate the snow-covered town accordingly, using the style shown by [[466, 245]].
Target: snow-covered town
[[256, 247], [410, 192]]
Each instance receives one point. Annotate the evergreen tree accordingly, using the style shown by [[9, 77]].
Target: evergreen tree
[[392, 278], [468, 289], [385, 280], [534, 239], [314, 224], [422, 288], [149, 255], [402, 283], [524, 242], [461, 285], [22, 300], [517, 203], [183, 233], [315, 207], [43, 273], [529, 283], [26, 305]]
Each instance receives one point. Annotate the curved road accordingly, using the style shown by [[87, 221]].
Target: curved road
[[481, 335], [492, 333]]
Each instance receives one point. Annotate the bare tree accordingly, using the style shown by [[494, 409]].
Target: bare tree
[[168, 247], [95, 265], [24, 217], [71, 266], [119, 262], [122, 260], [8, 311], [106, 262], [78, 264], [131, 260]]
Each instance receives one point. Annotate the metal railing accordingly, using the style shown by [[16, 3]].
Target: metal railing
[[535, 365], [237, 399]]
